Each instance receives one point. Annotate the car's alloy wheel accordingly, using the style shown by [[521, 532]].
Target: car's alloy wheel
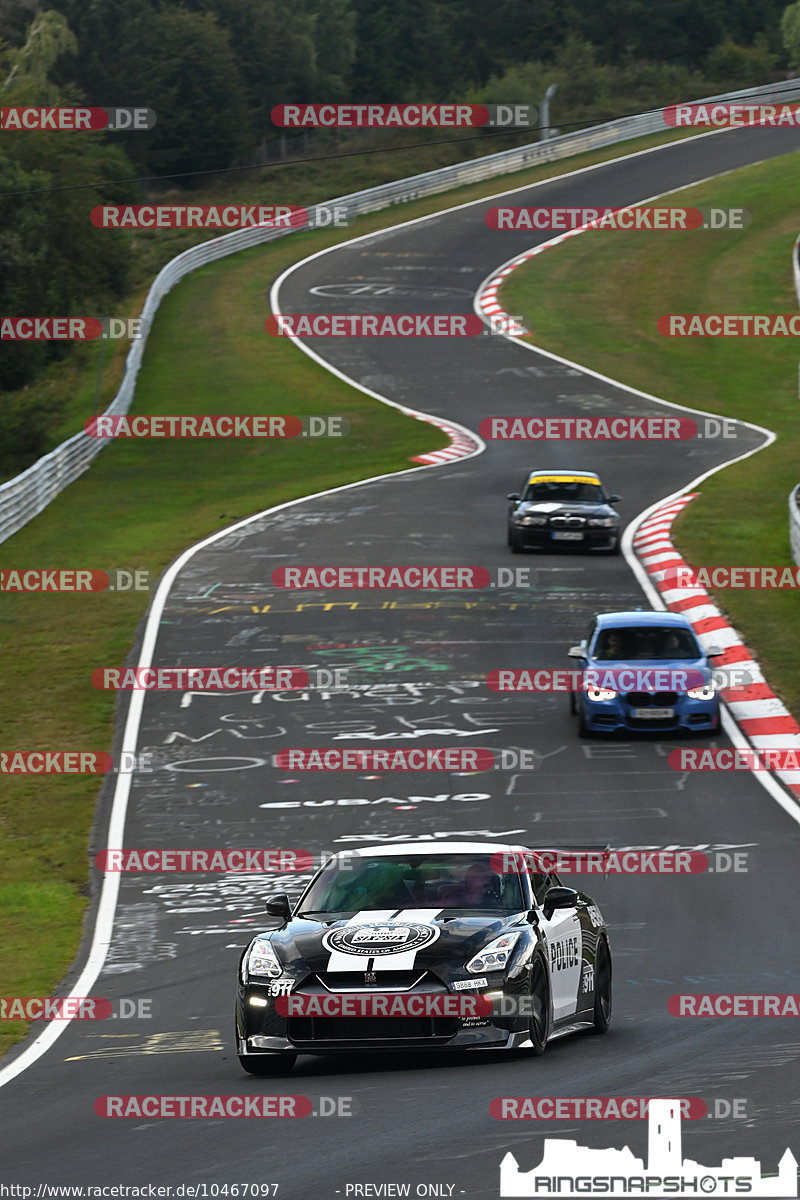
[[602, 987], [539, 1021], [268, 1064], [513, 542]]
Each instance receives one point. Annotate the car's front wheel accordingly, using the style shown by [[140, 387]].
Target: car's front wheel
[[267, 1064], [514, 542], [539, 1021], [602, 987]]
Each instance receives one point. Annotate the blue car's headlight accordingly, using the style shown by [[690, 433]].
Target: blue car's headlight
[[495, 956], [597, 694], [706, 692], [262, 960]]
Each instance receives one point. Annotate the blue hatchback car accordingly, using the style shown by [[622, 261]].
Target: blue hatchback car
[[644, 670]]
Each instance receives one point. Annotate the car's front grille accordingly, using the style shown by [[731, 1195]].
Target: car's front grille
[[383, 981], [370, 1029], [651, 699], [568, 522]]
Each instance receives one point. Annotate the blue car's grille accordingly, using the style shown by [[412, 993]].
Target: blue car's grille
[[651, 699]]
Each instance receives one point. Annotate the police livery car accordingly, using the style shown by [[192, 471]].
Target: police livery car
[[456, 945], [563, 510]]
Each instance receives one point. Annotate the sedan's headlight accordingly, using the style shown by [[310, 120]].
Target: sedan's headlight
[[262, 960], [606, 522], [706, 692], [597, 694], [531, 520], [495, 956]]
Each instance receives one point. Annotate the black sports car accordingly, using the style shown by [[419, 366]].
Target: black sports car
[[563, 509], [462, 945]]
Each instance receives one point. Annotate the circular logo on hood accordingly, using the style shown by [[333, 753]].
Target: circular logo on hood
[[375, 940]]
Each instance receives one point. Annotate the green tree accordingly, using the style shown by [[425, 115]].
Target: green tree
[[790, 34]]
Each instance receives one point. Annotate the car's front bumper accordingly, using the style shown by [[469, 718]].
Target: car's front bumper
[[608, 716], [262, 1029], [540, 537]]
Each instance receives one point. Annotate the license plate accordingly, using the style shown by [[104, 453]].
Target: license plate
[[567, 537], [653, 714]]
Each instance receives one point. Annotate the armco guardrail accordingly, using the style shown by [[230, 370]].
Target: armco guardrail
[[794, 510], [24, 496]]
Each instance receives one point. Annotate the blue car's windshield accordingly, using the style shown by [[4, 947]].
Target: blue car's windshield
[[645, 642], [418, 881]]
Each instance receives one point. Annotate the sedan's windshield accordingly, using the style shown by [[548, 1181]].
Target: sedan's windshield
[[645, 641], [436, 881], [565, 492]]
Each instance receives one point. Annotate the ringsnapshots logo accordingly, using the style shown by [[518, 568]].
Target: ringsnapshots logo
[[76, 119], [627, 219], [569, 1170], [403, 116]]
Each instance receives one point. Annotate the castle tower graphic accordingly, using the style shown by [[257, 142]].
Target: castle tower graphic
[[564, 1162]]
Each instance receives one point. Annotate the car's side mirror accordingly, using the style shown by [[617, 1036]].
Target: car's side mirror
[[714, 652], [577, 651], [278, 906], [613, 499], [513, 496], [559, 897]]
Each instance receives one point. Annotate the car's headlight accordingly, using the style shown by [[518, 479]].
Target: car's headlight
[[262, 960], [531, 520], [706, 692], [606, 522], [597, 694], [495, 956]]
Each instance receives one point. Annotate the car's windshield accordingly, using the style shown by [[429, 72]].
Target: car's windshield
[[645, 641], [437, 881], [564, 492]]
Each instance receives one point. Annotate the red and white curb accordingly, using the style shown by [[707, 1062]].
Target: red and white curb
[[462, 444], [758, 712], [486, 302]]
